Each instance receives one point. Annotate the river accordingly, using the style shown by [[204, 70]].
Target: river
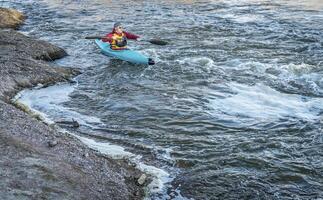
[[231, 110]]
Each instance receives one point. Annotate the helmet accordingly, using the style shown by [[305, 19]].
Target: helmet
[[116, 24]]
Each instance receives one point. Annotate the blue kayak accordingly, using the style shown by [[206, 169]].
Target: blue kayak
[[126, 55]]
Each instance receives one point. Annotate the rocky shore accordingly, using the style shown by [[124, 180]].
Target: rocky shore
[[38, 161]]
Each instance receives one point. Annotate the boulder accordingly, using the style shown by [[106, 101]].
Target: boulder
[[10, 18], [22, 63]]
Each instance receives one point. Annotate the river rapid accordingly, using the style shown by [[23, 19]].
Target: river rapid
[[231, 110]]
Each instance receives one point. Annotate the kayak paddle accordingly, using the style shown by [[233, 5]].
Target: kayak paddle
[[152, 41]]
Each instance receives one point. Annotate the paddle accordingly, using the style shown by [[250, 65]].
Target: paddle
[[152, 41]]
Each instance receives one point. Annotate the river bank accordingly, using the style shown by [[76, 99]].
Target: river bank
[[38, 161]]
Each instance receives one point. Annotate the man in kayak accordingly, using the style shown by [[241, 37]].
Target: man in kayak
[[118, 37]]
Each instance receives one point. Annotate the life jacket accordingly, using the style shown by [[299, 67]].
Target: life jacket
[[120, 42]]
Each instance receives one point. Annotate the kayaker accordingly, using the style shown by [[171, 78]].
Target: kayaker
[[118, 37]]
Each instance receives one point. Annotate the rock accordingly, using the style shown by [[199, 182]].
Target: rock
[[142, 179], [19, 67], [39, 85], [172, 194], [10, 40], [73, 123], [10, 18], [72, 81], [52, 143]]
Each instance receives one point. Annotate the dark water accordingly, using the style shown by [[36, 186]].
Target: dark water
[[233, 107]]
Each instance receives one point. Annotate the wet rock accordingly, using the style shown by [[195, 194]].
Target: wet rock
[[142, 179], [73, 123], [28, 47], [19, 67], [39, 85], [10, 18], [52, 143], [172, 194]]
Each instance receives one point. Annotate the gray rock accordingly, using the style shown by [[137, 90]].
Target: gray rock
[[73, 123], [52, 143], [142, 179], [19, 67]]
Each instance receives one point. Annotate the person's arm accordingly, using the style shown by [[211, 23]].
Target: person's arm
[[107, 38], [131, 36]]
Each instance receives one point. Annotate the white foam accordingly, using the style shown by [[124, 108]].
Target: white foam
[[113, 151], [264, 103], [303, 74], [161, 179], [203, 63], [48, 102], [245, 18], [299, 69]]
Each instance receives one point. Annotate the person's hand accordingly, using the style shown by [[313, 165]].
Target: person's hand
[[114, 37]]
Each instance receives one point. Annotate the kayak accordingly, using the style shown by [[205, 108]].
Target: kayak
[[126, 55]]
